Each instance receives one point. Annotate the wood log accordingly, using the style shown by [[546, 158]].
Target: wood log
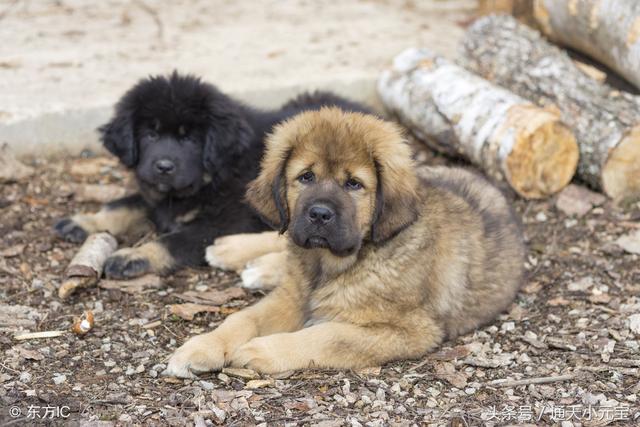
[[460, 114], [86, 266], [605, 121], [606, 30]]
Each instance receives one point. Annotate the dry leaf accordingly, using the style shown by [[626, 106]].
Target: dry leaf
[[447, 372], [133, 286], [188, 310], [577, 200], [12, 251]]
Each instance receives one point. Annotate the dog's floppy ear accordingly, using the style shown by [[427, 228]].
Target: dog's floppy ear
[[268, 192], [396, 197], [227, 140], [118, 137]]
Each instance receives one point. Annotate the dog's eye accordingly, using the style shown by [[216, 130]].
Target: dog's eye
[[306, 177], [353, 184]]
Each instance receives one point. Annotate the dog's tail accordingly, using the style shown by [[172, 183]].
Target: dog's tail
[[316, 100]]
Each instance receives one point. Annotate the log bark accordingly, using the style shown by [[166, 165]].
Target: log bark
[[606, 30], [86, 266], [605, 121], [461, 114]]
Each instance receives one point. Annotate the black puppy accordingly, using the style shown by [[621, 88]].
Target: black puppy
[[193, 150]]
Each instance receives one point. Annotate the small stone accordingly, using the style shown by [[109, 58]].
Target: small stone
[[508, 326], [634, 323], [541, 217], [25, 377], [59, 379], [206, 385], [125, 418]]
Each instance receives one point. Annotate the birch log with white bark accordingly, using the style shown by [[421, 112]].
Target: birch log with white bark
[[461, 114], [606, 30], [606, 122]]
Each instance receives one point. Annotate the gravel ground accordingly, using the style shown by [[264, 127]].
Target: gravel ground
[[566, 353]]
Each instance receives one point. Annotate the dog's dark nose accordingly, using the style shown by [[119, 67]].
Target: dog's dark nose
[[164, 166], [320, 214]]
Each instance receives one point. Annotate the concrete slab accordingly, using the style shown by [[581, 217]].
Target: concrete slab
[[63, 63]]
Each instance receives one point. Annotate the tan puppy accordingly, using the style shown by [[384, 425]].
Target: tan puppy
[[380, 265]]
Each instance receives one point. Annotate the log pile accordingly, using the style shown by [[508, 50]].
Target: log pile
[[606, 30], [461, 114], [606, 122]]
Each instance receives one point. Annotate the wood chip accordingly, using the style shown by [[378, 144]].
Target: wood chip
[[247, 374], [133, 286], [187, 311], [39, 335], [253, 384], [213, 297]]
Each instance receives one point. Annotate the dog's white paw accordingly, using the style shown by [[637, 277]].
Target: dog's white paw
[[213, 258], [264, 272], [252, 277], [202, 353]]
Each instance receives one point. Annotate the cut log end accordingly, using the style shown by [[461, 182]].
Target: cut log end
[[544, 157], [621, 172]]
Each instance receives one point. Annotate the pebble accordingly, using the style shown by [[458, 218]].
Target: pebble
[[206, 385], [59, 379], [25, 377]]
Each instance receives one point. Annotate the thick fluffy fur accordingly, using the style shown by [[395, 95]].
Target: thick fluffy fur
[[193, 150], [392, 267]]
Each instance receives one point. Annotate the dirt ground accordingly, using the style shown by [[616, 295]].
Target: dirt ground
[[573, 322]]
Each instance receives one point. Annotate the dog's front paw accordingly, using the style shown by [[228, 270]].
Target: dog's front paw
[[264, 355], [202, 353], [126, 264], [228, 253], [70, 230], [263, 273]]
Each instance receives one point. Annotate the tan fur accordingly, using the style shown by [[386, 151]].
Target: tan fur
[[117, 221], [235, 251], [159, 258], [444, 256]]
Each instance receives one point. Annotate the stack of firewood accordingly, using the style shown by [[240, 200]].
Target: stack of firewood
[[521, 108]]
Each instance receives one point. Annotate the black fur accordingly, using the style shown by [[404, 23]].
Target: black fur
[[214, 145]]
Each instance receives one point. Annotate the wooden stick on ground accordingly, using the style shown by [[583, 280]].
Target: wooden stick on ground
[[606, 30], [85, 268], [527, 381], [461, 114], [606, 122]]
